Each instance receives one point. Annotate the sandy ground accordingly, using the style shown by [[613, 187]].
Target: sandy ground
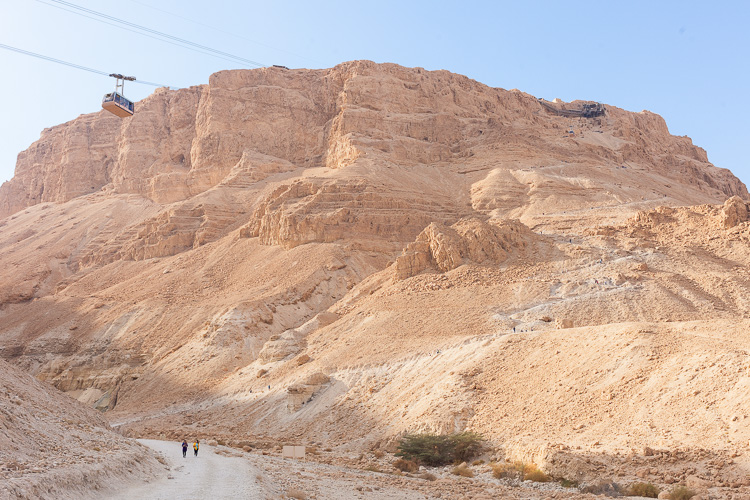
[[209, 475], [221, 472]]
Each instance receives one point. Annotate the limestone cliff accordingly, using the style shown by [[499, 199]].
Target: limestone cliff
[[184, 142]]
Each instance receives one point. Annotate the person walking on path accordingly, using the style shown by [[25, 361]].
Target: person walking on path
[[184, 448], [196, 445]]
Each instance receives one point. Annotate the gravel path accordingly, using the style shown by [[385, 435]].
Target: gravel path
[[209, 475]]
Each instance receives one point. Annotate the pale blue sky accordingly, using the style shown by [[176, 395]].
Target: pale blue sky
[[685, 60]]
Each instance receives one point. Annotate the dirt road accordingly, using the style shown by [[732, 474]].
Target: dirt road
[[209, 475]]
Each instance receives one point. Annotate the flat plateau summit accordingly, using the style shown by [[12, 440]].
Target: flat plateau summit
[[339, 256]]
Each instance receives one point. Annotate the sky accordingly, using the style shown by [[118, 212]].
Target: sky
[[685, 60]]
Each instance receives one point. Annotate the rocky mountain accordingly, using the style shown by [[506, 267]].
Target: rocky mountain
[[347, 254]]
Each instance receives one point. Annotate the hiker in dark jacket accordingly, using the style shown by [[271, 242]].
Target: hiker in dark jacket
[[184, 448]]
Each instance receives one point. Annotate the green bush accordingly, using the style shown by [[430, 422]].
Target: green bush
[[466, 446], [681, 493], [643, 490], [429, 449], [440, 449]]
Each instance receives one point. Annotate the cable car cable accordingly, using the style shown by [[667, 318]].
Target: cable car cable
[[72, 65], [134, 31], [104, 73], [52, 59], [144, 4], [156, 32]]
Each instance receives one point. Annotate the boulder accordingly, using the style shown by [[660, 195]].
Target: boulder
[[734, 212], [562, 323]]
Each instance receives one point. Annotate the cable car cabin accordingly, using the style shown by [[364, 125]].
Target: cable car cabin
[[117, 104]]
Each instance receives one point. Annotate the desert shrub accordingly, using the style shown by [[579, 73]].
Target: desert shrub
[[643, 490], [508, 470], [536, 475], [466, 445], [604, 488], [681, 493], [378, 454], [373, 468], [568, 483], [462, 470], [430, 449], [520, 471], [296, 494], [440, 449], [429, 476], [406, 465]]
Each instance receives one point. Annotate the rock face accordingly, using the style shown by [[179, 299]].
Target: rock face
[[292, 341], [472, 240], [299, 394], [302, 213], [182, 143], [735, 212], [53, 446], [148, 154], [425, 244]]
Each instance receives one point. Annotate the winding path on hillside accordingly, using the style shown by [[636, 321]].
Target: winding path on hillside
[[209, 475]]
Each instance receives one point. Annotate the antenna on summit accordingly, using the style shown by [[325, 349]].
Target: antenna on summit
[[115, 102]]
